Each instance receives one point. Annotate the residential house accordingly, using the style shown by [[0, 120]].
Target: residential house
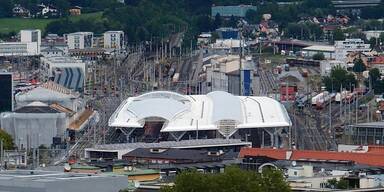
[[47, 11], [75, 10], [20, 11]]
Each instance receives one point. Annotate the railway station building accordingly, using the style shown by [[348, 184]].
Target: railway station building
[[168, 116]]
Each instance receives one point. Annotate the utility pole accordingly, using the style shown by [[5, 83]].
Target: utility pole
[[1, 153], [241, 64], [357, 103]]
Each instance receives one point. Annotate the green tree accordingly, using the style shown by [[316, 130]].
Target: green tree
[[232, 180], [359, 66], [252, 16], [374, 74], [342, 184], [7, 139], [338, 184], [6, 8], [318, 56], [339, 77], [376, 82], [338, 35], [217, 22]]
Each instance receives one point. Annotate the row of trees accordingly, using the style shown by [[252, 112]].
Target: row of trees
[[291, 13], [339, 78], [232, 180], [61, 5]]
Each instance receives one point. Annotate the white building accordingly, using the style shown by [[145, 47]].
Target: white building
[[80, 40], [29, 44], [114, 40], [31, 35], [19, 49], [218, 111], [326, 50], [327, 65], [373, 34], [342, 48], [34, 124]]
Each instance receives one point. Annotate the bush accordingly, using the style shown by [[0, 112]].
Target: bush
[[318, 56]]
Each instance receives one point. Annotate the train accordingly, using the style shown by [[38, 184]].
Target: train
[[341, 96], [322, 99], [303, 100]]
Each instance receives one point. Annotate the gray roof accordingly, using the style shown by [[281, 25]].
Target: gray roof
[[52, 181], [178, 154], [36, 109], [378, 124], [51, 49], [173, 144]]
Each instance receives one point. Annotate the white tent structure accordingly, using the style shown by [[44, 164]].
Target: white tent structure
[[34, 124], [219, 111]]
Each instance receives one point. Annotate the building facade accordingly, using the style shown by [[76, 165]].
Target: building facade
[[114, 40], [80, 40], [342, 48], [66, 71]]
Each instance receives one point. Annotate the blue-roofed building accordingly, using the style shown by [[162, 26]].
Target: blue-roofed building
[[228, 11]]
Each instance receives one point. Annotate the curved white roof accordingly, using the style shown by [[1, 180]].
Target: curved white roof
[[154, 107], [202, 112], [225, 107]]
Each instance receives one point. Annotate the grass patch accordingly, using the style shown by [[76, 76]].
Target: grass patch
[[8, 25]]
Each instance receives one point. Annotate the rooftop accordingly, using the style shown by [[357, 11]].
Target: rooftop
[[323, 48], [369, 158], [49, 91], [36, 107], [51, 181], [178, 154], [378, 124], [173, 144], [202, 112]]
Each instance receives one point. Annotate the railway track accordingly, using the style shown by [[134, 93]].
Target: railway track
[[268, 82]]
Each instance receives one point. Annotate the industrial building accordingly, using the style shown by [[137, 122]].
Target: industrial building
[[228, 11], [6, 92], [327, 50], [371, 133], [116, 151], [221, 73], [228, 33], [353, 6], [46, 115], [66, 71], [34, 125], [216, 115]]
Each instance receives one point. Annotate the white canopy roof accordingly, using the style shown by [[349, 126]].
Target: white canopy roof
[[202, 112]]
